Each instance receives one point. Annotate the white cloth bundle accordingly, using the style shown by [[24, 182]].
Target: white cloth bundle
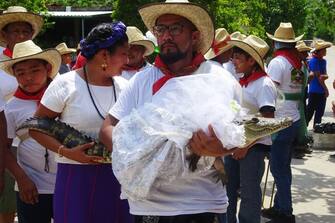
[[150, 144]]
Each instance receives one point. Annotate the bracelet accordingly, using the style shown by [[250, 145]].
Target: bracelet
[[59, 151]]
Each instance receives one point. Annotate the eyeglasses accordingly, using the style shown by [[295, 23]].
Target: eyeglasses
[[174, 29]]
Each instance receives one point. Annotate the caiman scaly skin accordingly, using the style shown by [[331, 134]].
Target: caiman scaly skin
[[67, 135], [255, 128]]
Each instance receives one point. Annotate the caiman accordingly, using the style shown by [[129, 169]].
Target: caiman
[[67, 135], [254, 129]]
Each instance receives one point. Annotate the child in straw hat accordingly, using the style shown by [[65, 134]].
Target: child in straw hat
[[139, 48], [245, 166], [35, 169], [317, 90]]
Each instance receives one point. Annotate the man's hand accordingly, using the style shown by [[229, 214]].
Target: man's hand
[[78, 154], [333, 107], [326, 93], [240, 153], [204, 145], [27, 190]]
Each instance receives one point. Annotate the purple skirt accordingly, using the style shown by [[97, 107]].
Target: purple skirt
[[88, 194]]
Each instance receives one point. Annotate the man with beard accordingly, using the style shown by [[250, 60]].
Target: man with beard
[[184, 32], [139, 48]]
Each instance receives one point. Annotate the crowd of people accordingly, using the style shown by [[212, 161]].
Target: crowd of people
[[111, 77]]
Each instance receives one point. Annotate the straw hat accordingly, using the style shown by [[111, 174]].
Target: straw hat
[[220, 44], [63, 49], [237, 36], [193, 12], [254, 46], [320, 44], [27, 50], [136, 37], [285, 33], [302, 47], [20, 14]]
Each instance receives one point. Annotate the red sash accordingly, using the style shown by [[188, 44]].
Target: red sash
[[244, 81], [197, 60]]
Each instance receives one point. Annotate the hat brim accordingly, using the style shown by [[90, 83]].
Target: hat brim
[[285, 40], [69, 50], [35, 20], [149, 46], [193, 12], [250, 50], [52, 56], [304, 49], [325, 46], [211, 54]]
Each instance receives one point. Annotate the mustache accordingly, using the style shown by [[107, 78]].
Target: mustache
[[169, 43]]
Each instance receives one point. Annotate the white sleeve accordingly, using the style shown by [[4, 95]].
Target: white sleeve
[[55, 96], [11, 128], [2, 103], [267, 94], [275, 70], [126, 101]]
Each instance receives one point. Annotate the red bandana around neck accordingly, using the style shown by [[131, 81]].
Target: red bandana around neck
[[37, 96], [197, 60], [244, 81], [8, 52], [290, 56]]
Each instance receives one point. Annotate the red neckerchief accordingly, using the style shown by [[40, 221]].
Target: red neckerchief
[[37, 96], [291, 57], [217, 46], [133, 68], [8, 52], [197, 60], [244, 81]]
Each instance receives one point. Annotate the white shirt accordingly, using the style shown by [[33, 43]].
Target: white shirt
[[259, 93], [279, 70], [68, 95], [128, 74], [30, 154], [2, 104], [192, 193], [8, 83]]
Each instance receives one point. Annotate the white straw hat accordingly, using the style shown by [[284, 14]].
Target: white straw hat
[[285, 33], [220, 44], [63, 49], [237, 36], [254, 46], [136, 37], [20, 14], [28, 50], [320, 44], [302, 47], [193, 12]]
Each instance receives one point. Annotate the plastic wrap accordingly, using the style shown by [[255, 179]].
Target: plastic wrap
[[150, 144]]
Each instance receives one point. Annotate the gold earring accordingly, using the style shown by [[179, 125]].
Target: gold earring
[[104, 66]]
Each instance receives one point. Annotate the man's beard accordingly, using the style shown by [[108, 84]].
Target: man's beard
[[172, 57]]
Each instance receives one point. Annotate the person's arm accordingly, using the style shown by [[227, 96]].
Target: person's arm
[[3, 138], [106, 131], [77, 153], [27, 190], [208, 145]]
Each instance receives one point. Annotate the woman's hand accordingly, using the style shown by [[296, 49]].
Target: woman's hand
[[78, 154], [27, 190], [204, 145]]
